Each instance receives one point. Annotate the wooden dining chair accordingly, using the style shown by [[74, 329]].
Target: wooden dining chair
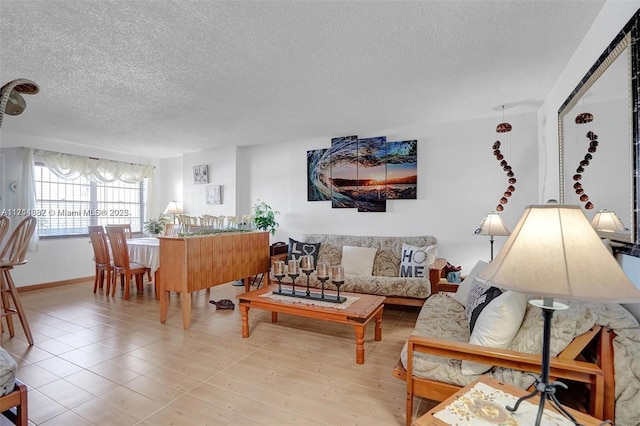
[[127, 229], [207, 221], [12, 255], [5, 223], [101, 256], [171, 229], [122, 267]]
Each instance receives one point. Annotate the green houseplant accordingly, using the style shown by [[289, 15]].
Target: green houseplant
[[156, 226], [265, 217]]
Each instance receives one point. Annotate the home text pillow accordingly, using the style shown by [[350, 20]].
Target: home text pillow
[[415, 261], [479, 297], [298, 249], [358, 260], [464, 287], [496, 326]]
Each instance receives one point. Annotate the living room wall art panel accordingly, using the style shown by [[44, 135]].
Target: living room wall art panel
[[319, 175], [363, 173], [372, 175], [344, 171], [402, 170]]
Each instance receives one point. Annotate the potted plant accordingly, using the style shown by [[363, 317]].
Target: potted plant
[[156, 226], [265, 217]]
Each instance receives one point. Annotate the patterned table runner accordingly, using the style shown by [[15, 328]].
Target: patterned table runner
[[483, 405]]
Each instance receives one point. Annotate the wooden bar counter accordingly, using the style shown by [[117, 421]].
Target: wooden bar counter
[[195, 263]]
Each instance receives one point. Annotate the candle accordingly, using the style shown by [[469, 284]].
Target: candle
[[337, 273], [306, 263], [293, 267], [278, 268], [323, 270]]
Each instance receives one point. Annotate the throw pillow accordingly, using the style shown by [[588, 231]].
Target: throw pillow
[[415, 261], [298, 249], [496, 326], [479, 297], [358, 260], [464, 288]]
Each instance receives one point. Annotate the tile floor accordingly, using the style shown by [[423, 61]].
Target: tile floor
[[105, 361]]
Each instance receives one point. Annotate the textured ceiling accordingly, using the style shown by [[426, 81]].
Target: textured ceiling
[[162, 78]]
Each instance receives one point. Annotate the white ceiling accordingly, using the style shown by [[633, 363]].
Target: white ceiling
[[162, 78]]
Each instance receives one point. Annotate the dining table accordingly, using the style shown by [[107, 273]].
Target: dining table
[[146, 251]]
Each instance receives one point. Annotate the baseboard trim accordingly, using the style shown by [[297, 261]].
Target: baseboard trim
[[54, 284]]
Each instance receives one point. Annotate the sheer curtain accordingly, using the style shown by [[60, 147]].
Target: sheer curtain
[[68, 166], [27, 193]]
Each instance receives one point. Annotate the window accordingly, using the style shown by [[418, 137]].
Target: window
[[69, 206]]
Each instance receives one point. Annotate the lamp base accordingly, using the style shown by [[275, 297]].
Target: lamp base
[[547, 391]]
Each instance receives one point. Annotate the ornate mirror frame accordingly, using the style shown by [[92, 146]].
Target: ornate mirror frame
[[625, 43]]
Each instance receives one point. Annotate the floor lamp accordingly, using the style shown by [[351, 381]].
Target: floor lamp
[[492, 225], [555, 252]]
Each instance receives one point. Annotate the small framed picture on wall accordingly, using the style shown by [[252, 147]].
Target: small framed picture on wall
[[214, 194], [201, 174]]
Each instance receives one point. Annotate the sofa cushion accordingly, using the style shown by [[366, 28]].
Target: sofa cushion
[[358, 260], [464, 288], [298, 249], [8, 368], [496, 326], [415, 261]]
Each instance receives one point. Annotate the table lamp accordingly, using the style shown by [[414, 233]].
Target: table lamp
[[173, 208], [555, 252], [607, 221], [492, 224]]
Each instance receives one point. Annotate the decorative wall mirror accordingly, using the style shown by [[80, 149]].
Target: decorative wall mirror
[[598, 137]]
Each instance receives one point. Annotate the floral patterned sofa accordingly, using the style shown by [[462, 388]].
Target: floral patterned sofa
[[439, 344], [385, 279]]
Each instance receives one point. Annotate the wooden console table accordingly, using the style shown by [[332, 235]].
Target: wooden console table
[[189, 264]]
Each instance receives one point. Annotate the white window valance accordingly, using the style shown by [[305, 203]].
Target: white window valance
[[69, 166]]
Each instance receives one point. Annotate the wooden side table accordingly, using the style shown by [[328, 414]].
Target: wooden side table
[[430, 419]]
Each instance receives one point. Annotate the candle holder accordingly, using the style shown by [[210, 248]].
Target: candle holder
[[306, 264], [293, 273], [292, 270], [337, 278], [322, 272], [279, 273], [338, 284]]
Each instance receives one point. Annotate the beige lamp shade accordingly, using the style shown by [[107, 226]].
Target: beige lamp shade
[[492, 224], [555, 252], [173, 207], [607, 221]]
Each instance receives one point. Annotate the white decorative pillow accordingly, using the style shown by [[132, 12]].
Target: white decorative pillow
[[415, 261], [358, 260], [496, 326], [464, 287]]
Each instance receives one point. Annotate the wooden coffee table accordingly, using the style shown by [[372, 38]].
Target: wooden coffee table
[[358, 314]]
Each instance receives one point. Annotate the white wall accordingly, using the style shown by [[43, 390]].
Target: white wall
[[459, 180], [168, 185], [223, 167]]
